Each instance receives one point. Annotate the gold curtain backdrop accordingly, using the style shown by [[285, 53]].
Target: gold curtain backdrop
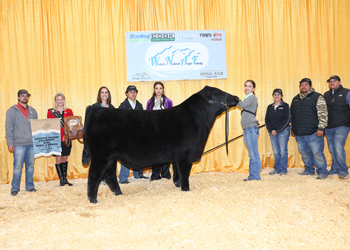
[[77, 46]]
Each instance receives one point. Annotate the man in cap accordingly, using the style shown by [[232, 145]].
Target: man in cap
[[309, 120], [130, 103], [20, 142], [338, 104]]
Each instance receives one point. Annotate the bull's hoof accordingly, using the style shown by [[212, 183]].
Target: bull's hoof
[[94, 201], [185, 188], [118, 193], [177, 184]]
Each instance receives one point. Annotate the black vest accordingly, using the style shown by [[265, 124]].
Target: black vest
[[304, 114], [338, 109]]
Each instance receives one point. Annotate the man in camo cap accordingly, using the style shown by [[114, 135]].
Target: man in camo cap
[[309, 120]]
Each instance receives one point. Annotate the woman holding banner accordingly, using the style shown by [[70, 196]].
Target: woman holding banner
[[159, 101], [61, 111]]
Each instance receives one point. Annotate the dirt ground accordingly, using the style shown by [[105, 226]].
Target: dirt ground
[[220, 212]]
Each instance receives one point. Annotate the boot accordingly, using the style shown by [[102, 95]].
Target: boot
[[60, 173], [64, 170], [165, 171], [156, 173]]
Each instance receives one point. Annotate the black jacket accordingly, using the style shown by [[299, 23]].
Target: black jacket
[[338, 109], [304, 114], [97, 104], [277, 119], [126, 105]]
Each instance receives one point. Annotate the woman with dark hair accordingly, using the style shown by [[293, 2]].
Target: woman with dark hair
[[251, 130], [103, 98], [277, 124], [159, 101], [61, 111]]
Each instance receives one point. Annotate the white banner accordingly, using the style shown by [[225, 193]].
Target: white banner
[[176, 55], [46, 137]]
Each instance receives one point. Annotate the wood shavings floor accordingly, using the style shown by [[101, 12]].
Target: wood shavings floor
[[220, 212]]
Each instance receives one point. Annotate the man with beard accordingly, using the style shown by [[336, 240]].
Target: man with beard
[[309, 120], [338, 103], [20, 142]]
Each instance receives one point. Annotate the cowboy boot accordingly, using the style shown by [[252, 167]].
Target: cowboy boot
[[60, 174], [64, 168], [165, 171]]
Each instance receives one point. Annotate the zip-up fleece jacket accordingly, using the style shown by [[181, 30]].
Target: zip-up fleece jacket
[[18, 128], [277, 119]]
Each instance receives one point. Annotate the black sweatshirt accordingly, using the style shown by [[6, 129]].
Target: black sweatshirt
[[277, 119]]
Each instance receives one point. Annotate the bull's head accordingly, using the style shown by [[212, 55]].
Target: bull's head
[[222, 101], [219, 97]]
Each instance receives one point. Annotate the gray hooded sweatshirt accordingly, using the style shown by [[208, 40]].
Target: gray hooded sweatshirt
[[18, 128]]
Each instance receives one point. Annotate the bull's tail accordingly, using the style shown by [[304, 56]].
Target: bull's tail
[[86, 155]]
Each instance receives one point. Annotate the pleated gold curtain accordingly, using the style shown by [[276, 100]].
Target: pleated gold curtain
[[76, 46]]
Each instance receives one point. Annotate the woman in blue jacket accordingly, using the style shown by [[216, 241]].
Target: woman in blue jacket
[[277, 123]]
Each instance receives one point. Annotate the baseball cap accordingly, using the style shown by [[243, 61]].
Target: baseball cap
[[22, 91], [335, 77], [306, 80], [277, 91], [131, 88]]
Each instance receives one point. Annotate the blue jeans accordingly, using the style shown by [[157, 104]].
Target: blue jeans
[[124, 173], [23, 154], [336, 139], [311, 148], [280, 149], [250, 136]]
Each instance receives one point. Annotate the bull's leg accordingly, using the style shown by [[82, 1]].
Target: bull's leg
[[184, 169], [111, 178], [176, 175], [96, 173]]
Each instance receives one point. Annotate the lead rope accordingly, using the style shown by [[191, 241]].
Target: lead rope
[[226, 131], [206, 152], [226, 124]]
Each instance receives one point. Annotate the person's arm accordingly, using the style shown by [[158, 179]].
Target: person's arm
[[35, 114], [322, 115], [246, 102], [170, 103], [286, 119], [121, 106], [267, 120], [9, 130], [348, 99], [69, 112], [148, 105], [49, 114]]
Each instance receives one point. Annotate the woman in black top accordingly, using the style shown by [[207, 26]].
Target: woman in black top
[[277, 123], [103, 98]]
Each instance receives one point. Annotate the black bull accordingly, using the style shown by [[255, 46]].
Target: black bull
[[141, 139]]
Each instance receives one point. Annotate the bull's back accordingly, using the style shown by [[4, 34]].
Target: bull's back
[[142, 129]]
